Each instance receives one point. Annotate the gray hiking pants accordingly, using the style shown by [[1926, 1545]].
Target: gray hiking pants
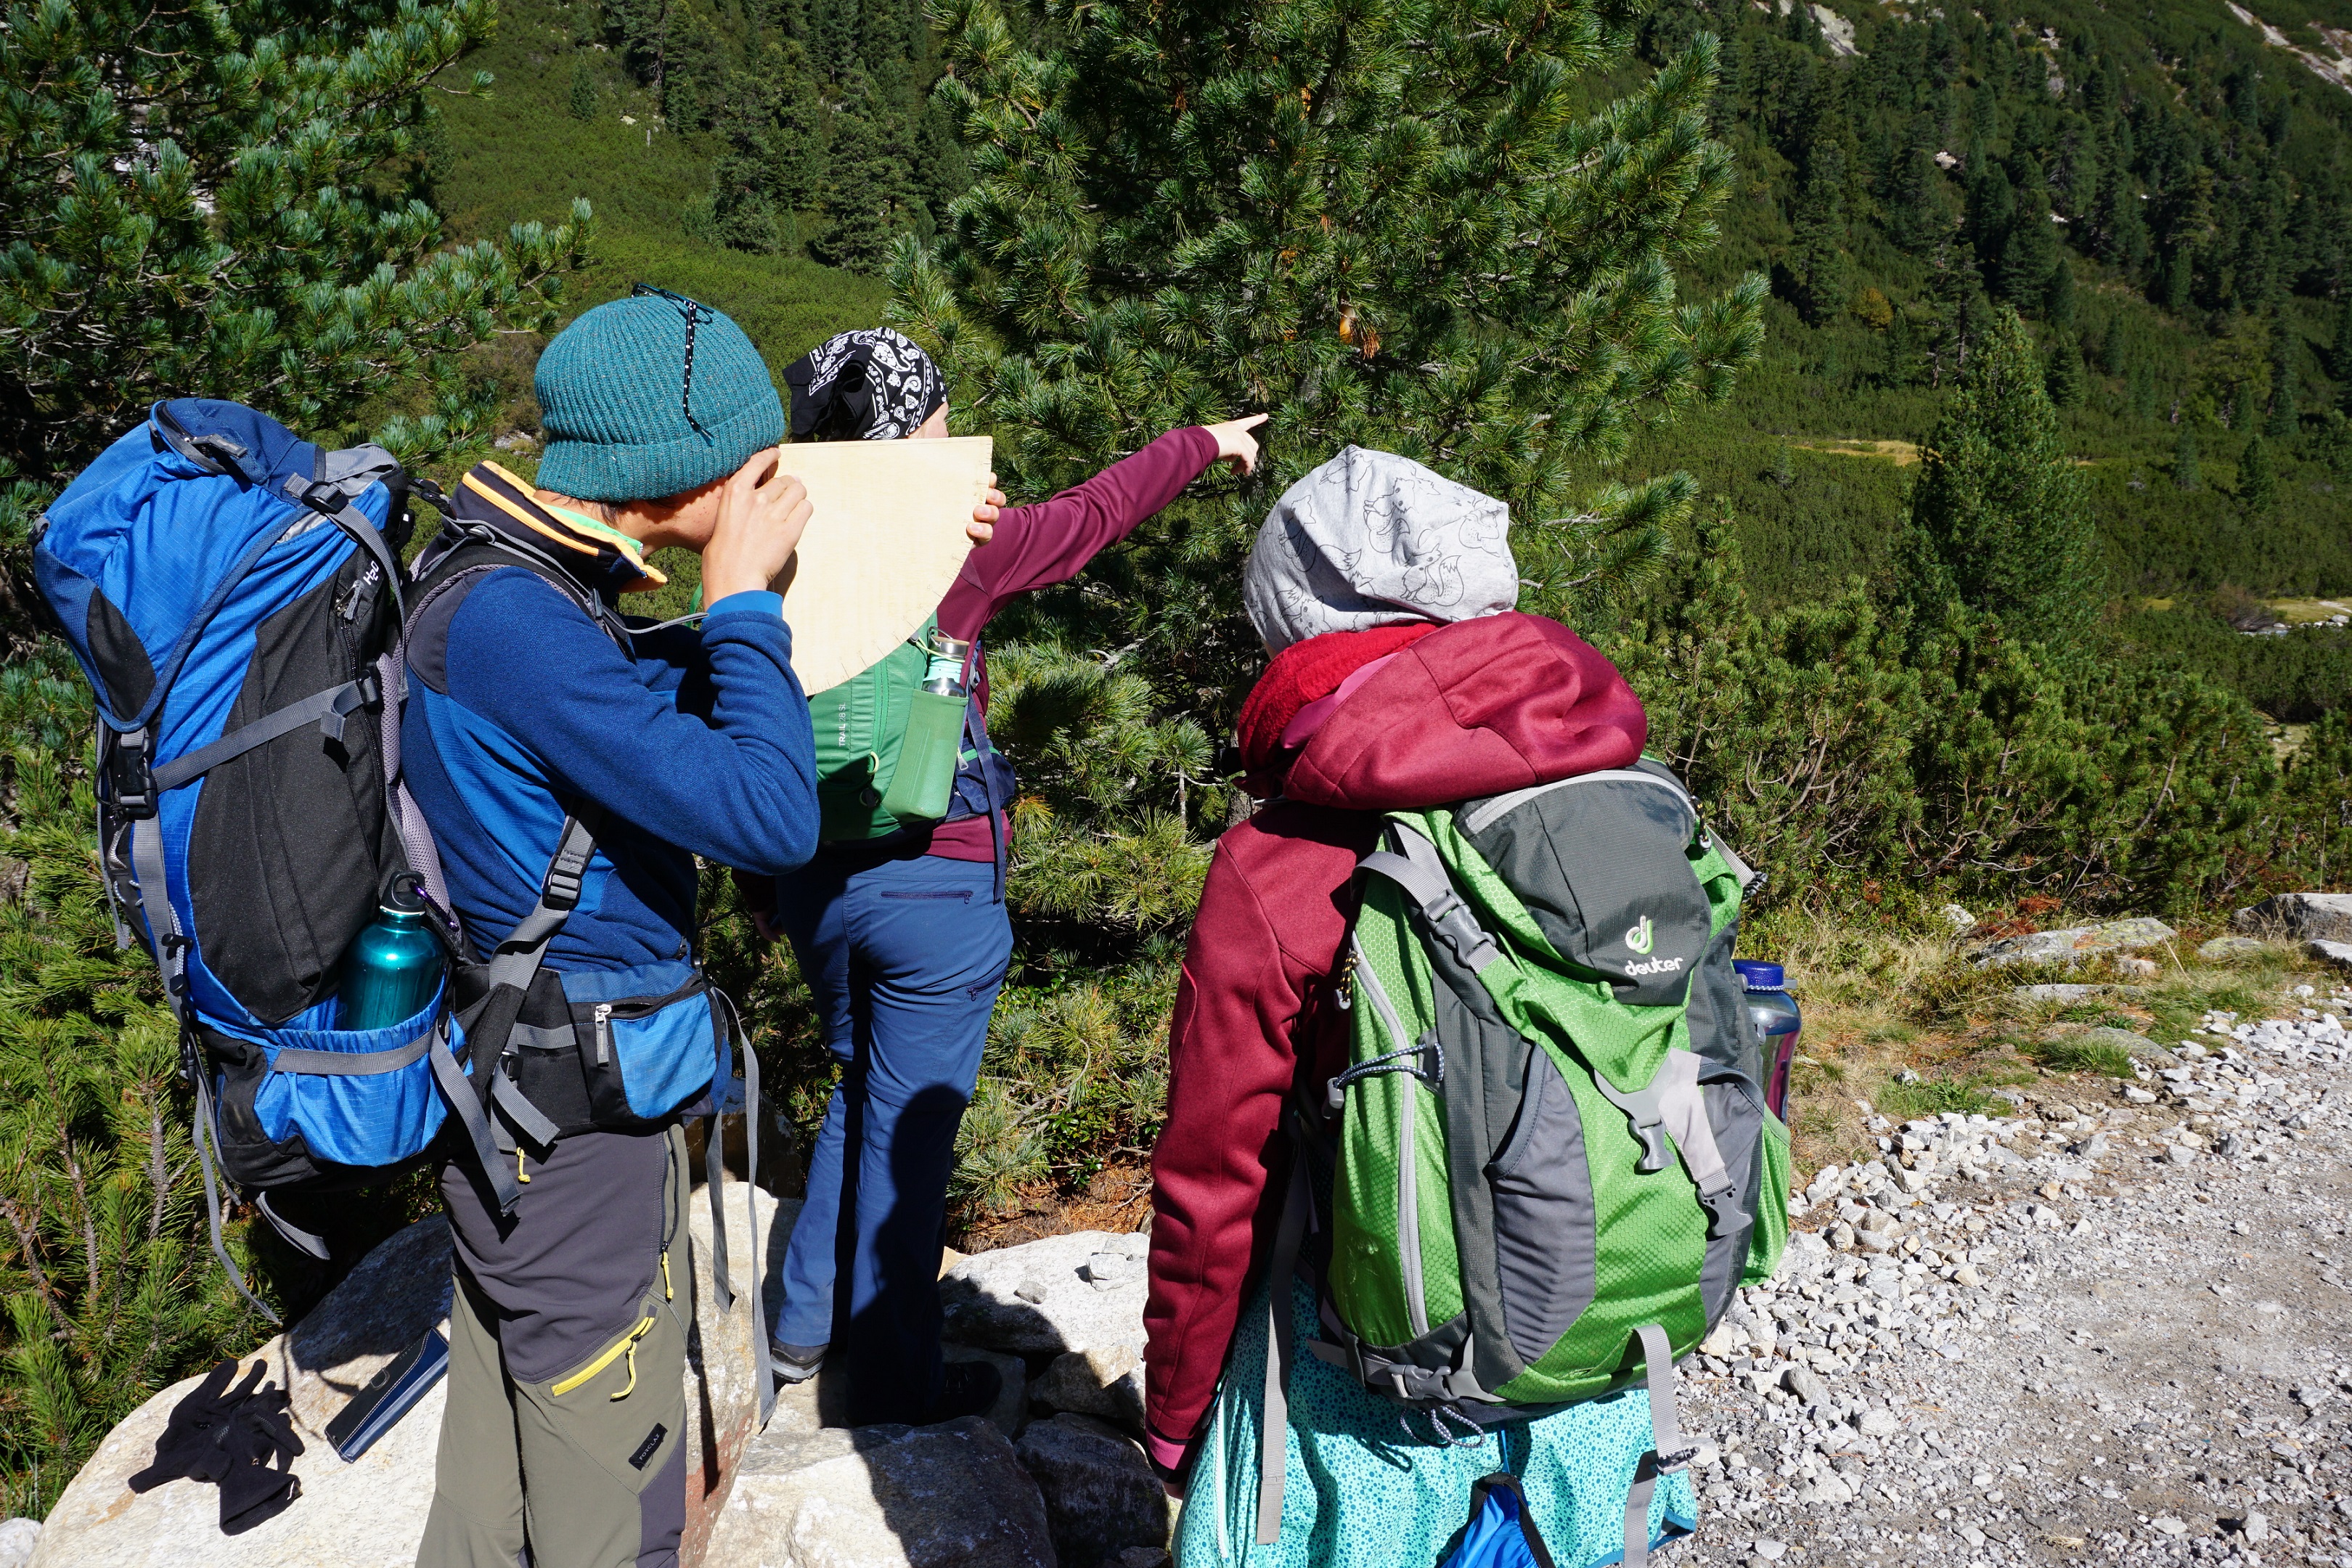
[[563, 1442]]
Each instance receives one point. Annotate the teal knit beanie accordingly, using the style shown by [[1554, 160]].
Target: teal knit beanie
[[623, 421]]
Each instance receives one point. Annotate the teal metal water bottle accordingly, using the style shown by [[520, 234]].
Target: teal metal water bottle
[[392, 967]]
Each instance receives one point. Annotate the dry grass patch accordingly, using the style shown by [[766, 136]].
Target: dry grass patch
[[1901, 1025], [1902, 454]]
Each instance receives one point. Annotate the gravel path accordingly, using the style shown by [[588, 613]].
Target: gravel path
[[2108, 1331]]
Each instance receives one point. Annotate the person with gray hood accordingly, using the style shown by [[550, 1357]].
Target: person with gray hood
[[1402, 678]]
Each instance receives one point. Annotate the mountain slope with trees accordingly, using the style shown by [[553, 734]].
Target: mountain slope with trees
[[2162, 196]]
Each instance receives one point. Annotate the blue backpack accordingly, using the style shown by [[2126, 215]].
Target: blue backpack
[[233, 595], [230, 591]]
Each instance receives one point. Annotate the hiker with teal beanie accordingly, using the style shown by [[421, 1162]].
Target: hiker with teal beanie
[[572, 765]]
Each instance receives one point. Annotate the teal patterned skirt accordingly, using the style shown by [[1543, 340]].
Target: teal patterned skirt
[[1360, 1492]]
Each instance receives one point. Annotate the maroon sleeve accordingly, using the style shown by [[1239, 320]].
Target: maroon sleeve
[[1038, 546], [1269, 929]]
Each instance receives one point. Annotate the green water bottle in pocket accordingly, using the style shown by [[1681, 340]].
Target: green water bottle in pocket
[[923, 784]]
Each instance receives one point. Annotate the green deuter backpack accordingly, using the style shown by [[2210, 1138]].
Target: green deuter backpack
[[887, 749], [1552, 1162]]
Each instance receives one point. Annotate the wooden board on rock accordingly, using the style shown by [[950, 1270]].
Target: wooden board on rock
[[885, 537]]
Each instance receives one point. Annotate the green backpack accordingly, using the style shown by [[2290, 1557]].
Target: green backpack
[[887, 749], [1552, 1164]]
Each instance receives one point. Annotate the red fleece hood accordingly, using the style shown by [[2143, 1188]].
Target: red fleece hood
[[1472, 708]]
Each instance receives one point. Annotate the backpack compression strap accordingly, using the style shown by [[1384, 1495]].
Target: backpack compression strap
[[1668, 1453], [512, 967], [164, 933], [1273, 1431], [714, 1176], [1672, 1103]]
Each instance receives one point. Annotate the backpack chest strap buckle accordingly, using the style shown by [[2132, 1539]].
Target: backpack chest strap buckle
[[130, 777]]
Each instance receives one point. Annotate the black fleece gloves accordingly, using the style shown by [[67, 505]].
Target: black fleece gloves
[[230, 1436]]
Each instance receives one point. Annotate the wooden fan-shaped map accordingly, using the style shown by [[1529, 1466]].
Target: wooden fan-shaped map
[[885, 537]]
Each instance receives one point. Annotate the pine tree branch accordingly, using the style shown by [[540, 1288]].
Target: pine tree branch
[[27, 1249]]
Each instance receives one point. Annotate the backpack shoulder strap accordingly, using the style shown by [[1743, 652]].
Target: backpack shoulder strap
[[1415, 867], [491, 1023], [451, 568], [333, 492], [468, 550]]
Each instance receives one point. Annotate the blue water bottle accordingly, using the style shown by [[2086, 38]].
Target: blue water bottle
[[1777, 1024], [392, 967]]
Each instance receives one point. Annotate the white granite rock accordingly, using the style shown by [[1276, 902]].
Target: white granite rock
[[2336, 955], [1043, 1296], [2305, 916], [951, 1496], [2075, 943], [16, 1540], [371, 1513], [719, 1393]]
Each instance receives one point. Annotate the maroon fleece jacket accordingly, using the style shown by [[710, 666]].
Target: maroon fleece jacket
[[1049, 542], [1472, 709]]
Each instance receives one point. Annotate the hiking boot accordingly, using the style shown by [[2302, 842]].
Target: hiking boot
[[969, 1388], [794, 1363]]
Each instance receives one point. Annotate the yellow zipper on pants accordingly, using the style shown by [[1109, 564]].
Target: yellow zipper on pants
[[625, 1345]]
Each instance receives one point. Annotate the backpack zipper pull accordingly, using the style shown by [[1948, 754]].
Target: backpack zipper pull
[[644, 1326], [360, 595], [632, 1388], [604, 1033]]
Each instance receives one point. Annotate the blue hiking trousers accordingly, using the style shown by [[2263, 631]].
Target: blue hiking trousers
[[904, 956]]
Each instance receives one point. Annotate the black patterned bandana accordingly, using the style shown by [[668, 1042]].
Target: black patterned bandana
[[873, 384]]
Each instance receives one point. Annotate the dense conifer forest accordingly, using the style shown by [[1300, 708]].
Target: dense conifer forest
[[1938, 413]]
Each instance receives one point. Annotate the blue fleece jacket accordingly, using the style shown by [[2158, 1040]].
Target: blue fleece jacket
[[692, 743]]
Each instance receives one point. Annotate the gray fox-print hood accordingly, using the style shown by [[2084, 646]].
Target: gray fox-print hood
[[1370, 539]]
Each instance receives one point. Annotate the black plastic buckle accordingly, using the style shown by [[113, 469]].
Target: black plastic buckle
[[561, 890], [433, 496], [129, 778]]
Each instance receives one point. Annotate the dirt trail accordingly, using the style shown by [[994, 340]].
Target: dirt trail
[[2115, 1331]]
